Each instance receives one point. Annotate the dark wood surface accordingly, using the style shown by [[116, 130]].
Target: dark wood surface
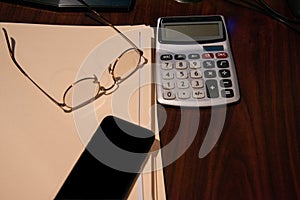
[[258, 153]]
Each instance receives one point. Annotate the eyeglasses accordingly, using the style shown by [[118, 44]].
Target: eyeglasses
[[89, 89]]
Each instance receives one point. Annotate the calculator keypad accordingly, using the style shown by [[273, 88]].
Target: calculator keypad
[[194, 76]]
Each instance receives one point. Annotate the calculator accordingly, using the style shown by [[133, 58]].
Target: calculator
[[194, 63]]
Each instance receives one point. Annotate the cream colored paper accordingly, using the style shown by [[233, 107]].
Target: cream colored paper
[[39, 143]]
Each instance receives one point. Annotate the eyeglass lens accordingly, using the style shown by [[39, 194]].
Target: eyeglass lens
[[88, 89]]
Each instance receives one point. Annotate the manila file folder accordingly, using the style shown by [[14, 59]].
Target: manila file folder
[[39, 142]]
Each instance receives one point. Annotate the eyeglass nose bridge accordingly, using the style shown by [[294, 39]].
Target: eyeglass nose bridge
[[111, 89]]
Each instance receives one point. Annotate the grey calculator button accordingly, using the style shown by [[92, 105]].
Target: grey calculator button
[[210, 74], [208, 64], [212, 89], [194, 56]]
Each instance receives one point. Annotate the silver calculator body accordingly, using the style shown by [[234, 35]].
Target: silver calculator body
[[194, 63]]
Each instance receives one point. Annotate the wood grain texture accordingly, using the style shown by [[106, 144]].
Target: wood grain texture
[[258, 153]]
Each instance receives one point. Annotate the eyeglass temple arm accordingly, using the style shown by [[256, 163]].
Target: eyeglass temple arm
[[102, 19], [11, 47]]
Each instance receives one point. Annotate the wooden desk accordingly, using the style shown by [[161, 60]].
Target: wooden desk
[[258, 153]]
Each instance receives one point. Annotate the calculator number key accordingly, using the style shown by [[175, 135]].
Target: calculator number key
[[167, 75], [168, 95], [199, 83], [181, 74], [196, 74], [168, 85], [167, 65], [195, 64], [181, 64], [183, 84]]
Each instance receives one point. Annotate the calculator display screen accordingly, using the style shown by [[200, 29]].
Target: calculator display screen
[[192, 30], [188, 32]]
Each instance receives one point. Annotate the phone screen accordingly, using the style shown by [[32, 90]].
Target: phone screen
[[91, 179]]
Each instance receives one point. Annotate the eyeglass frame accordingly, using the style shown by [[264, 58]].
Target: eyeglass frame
[[11, 43]]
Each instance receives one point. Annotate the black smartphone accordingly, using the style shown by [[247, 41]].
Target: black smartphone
[[98, 173]]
